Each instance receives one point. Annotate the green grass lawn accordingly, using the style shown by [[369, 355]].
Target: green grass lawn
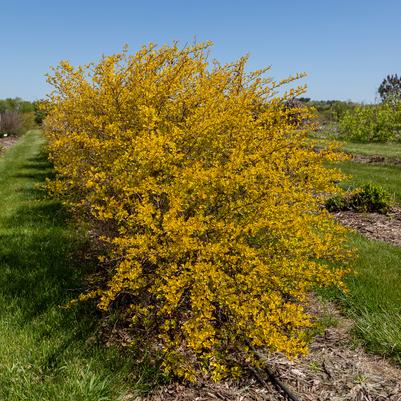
[[389, 177], [384, 174], [374, 298], [390, 150], [49, 353]]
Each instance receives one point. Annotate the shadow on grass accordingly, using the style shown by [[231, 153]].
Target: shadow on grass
[[41, 272], [35, 176], [37, 246]]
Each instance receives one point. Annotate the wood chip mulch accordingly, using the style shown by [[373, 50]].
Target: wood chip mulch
[[377, 159], [374, 225], [7, 141], [335, 370]]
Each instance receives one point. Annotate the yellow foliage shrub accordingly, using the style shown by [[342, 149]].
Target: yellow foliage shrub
[[207, 191]]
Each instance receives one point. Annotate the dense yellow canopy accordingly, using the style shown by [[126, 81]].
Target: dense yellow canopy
[[207, 190]]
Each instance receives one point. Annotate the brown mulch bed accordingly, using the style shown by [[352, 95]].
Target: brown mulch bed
[[376, 159], [335, 370], [374, 225], [6, 142]]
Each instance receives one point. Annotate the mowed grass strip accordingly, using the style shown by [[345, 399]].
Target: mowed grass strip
[[389, 177], [385, 174], [374, 297], [47, 352], [388, 150]]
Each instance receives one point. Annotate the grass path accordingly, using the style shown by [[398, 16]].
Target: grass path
[[374, 299], [389, 150], [389, 177], [47, 353]]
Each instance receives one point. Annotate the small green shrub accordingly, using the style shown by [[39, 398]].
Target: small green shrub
[[28, 122], [336, 203], [369, 198]]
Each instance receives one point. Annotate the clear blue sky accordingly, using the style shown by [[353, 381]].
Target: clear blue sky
[[346, 47]]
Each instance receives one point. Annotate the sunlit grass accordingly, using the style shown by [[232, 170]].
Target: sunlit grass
[[374, 297], [47, 352], [389, 177], [389, 150]]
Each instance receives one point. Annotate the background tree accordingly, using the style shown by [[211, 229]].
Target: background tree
[[390, 89], [17, 116], [10, 122]]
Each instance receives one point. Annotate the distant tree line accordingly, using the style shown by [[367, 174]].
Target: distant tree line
[[379, 122], [329, 111]]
